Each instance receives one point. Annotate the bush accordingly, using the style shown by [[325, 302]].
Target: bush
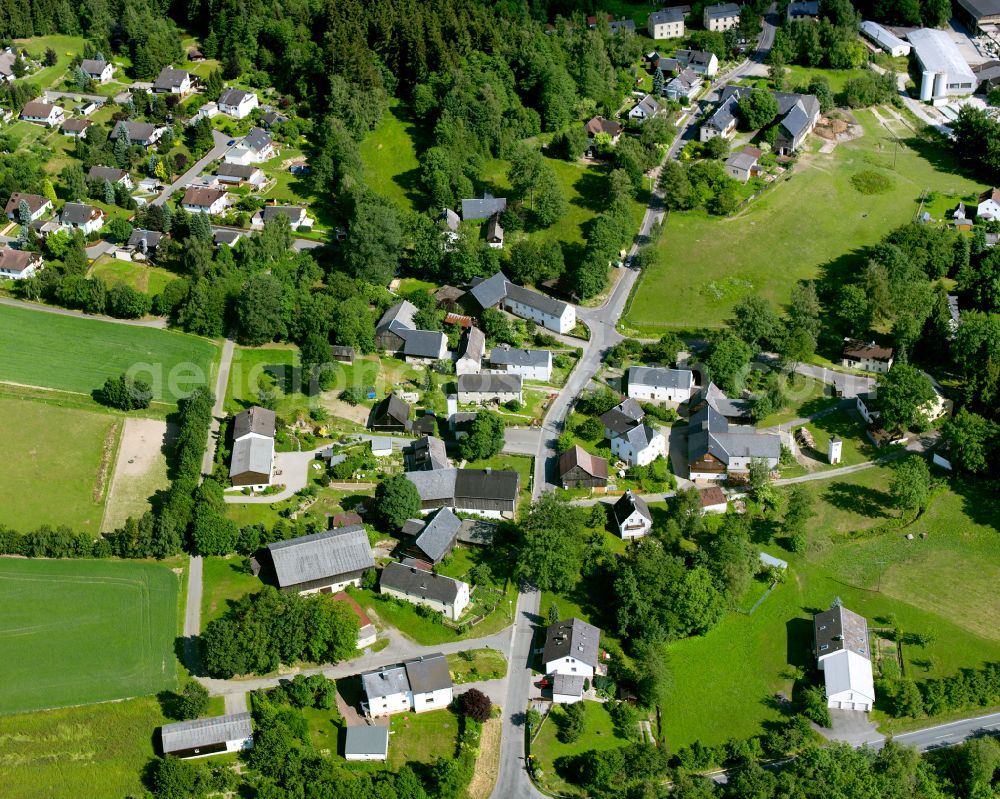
[[475, 705], [573, 721], [868, 181], [126, 393]]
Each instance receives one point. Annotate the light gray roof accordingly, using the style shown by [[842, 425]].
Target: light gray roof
[[424, 343], [725, 113], [92, 66], [475, 344], [321, 555], [428, 673], [567, 684], [257, 139], [741, 160], [252, 455], [240, 171], [363, 739], [490, 291], [205, 732], [483, 208], [733, 408], [660, 378], [512, 356], [489, 383], [135, 131], [572, 638], [710, 433], [387, 681], [398, 317], [451, 219], [938, 53], [674, 14], [458, 484], [223, 236], [438, 484], [640, 436], [437, 538], [882, 36], [254, 420], [78, 213], [627, 504], [722, 10], [419, 583], [648, 105], [839, 628], [233, 96], [149, 238], [427, 453]]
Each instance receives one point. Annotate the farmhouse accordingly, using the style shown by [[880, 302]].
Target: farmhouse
[[489, 387], [742, 165], [529, 364], [486, 207], [884, 40], [713, 500], [797, 116], [622, 418], [571, 648], [391, 415], [239, 174], [485, 492], [367, 634], [667, 23], [237, 103], [437, 537], [647, 107], [37, 206], [76, 128], [659, 385], [843, 654], [579, 469], [256, 146], [253, 448], [866, 355], [113, 175], [42, 113], [736, 411], [471, 360], [419, 685], [945, 72], [701, 62], [639, 445], [142, 133], [421, 587], [173, 81], [721, 17], [425, 454], [97, 70], [631, 516], [19, 264], [366, 742], [497, 291], [82, 217], [203, 737], [324, 563], [717, 450], [396, 332]]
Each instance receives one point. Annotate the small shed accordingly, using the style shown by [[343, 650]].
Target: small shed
[[342, 354], [364, 742]]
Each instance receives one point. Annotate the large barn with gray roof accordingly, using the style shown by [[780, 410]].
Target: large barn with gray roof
[[203, 737], [323, 562]]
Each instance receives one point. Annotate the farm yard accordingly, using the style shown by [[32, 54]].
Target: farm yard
[[78, 631]]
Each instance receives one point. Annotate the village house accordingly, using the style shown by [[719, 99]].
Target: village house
[[397, 333], [324, 563], [866, 356], [632, 517], [494, 233], [579, 469], [142, 133], [257, 146], [238, 174], [718, 450], [498, 292], [595, 126], [735, 411], [391, 415], [667, 23], [80, 216], [491, 493], [989, 205], [204, 737], [572, 648], [19, 264], [97, 70], [237, 103], [141, 243], [486, 207], [742, 165], [622, 418], [647, 107], [421, 684], [843, 653], [701, 62], [418, 586], [297, 216], [226, 236], [797, 117], [367, 634], [437, 536], [489, 387], [253, 448], [471, 360], [76, 128], [204, 201], [8, 57], [113, 175], [42, 113], [653, 384], [639, 445], [426, 454], [713, 500], [366, 742], [173, 81], [683, 87], [529, 364], [37, 206], [721, 17]]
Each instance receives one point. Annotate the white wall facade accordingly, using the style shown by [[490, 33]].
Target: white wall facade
[[394, 703], [560, 324], [656, 447], [570, 665], [247, 105], [480, 397], [433, 700], [867, 364], [635, 526], [332, 588], [659, 393], [452, 610], [666, 30]]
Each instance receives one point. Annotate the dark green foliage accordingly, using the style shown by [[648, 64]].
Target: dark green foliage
[[485, 438], [397, 500], [192, 702], [125, 302], [550, 556], [572, 722], [757, 109], [728, 361], [911, 483], [973, 441], [902, 394], [126, 393]]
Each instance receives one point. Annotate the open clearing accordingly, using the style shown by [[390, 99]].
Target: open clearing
[[148, 279], [140, 470], [390, 159], [77, 354], [57, 464], [85, 631]]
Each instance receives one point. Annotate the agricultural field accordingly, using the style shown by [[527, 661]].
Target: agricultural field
[[79, 631], [738, 256], [76, 354], [96, 751], [57, 464], [146, 278]]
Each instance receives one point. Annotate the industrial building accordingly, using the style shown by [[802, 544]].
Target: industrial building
[[884, 39], [945, 73], [976, 13]]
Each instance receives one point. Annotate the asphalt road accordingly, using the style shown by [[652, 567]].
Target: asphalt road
[[214, 154], [192, 616]]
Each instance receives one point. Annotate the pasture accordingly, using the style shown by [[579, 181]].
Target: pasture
[[57, 464], [76, 354], [80, 631], [224, 581]]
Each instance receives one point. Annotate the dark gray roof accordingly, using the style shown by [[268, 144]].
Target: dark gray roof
[[485, 484], [273, 118], [725, 113], [78, 213], [205, 732], [489, 291], [627, 504], [76, 124], [536, 300], [412, 526], [732, 408], [92, 66], [483, 208], [839, 628], [435, 485], [675, 14], [741, 160], [169, 78], [640, 436], [618, 25], [387, 681], [148, 238], [233, 96], [110, 173], [244, 171], [223, 236], [437, 538], [710, 433], [427, 453], [660, 378], [489, 383], [428, 673], [419, 583], [623, 417], [135, 131], [321, 555], [254, 420], [981, 8], [567, 684], [572, 638], [397, 318], [293, 212], [364, 739], [395, 408], [424, 343], [512, 356], [257, 139], [722, 10]]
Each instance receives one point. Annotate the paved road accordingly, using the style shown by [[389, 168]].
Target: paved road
[[34, 306], [521, 440], [48, 96], [847, 384], [214, 154], [192, 616], [218, 410], [99, 248]]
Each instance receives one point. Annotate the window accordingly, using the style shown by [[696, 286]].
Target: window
[[429, 700]]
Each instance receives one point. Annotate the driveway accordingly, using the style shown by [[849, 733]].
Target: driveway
[[291, 469], [850, 726], [521, 440], [677, 448], [219, 150]]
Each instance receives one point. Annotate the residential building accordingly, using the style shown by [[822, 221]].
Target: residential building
[[238, 174], [451, 220], [631, 516], [988, 208], [208, 110], [803, 9], [866, 355], [97, 70], [396, 332], [8, 57], [381, 446], [489, 387], [426, 454], [684, 87], [142, 243], [391, 415], [226, 236], [579, 469], [529, 364], [654, 384], [76, 128], [721, 17], [204, 737], [735, 411], [843, 654], [485, 208], [598, 125], [713, 500], [742, 165], [324, 563], [173, 81], [798, 115], [621, 25], [718, 450], [387, 691], [418, 586], [485, 492], [42, 113], [37, 206], [647, 107], [142, 133], [253, 448], [701, 62], [867, 405], [498, 292], [494, 233], [571, 648], [944, 71], [884, 39], [639, 446], [366, 742], [438, 536], [114, 176], [204, 201], [19, 264], [297, 217], [257, 146], [471, 360], [80, 216], [622, 418], [419, 685], [271, 119], [567, 688], [667, 23], [237, 103]]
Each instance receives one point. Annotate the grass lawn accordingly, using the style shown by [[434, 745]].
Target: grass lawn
[[148, 279], [97, 751], [805, 396], [390, 159], [707, 264], [522, 464], [49, 477], [79, 631], [224, 580], [598, 734], [856, 448], [800, 76], [421, 737], [477, 664], [75, 354], [65, 46]]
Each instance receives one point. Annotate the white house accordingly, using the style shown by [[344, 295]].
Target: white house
[[571, 648], [42, 113], [204, 200], [721, 17], [366, 742], [718, 449], [256, 146], [144, 134], [82, 217], [866, 404], [97, 70], [989, 205], [421, 587], [471, 360], [701, 62], [253, 448], [843, 654], [529, 364], [632, 517], [667, 23], [567, 688], [639, 446], [37, 206], [237, 174], [742, 165], [867, 356], [296, 215], [686, 85], [19, 264], [497, 291], [111, 174], [489, 387], [659, 385], [647, 107], [173, 81], [204, 737], [76, 128], [322, 563], [419, 685], [237, 103], [622, 418]]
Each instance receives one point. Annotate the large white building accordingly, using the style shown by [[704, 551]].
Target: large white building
[[945, 72], [639, 445], [659, 385], [204, 737], [884, 39], [667, 23], [529, 364], [721, 17], [419, 685], [572, 648], [497, 291], [843, 654], [237, 103], [253, 448], [421, 587]]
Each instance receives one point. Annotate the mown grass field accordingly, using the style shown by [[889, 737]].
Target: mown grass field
[[811, 222], [97, 751], [390, 159], [76, 354], [148, 279], [85, 631], [65, 46], [223, 580], [57, 464]]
